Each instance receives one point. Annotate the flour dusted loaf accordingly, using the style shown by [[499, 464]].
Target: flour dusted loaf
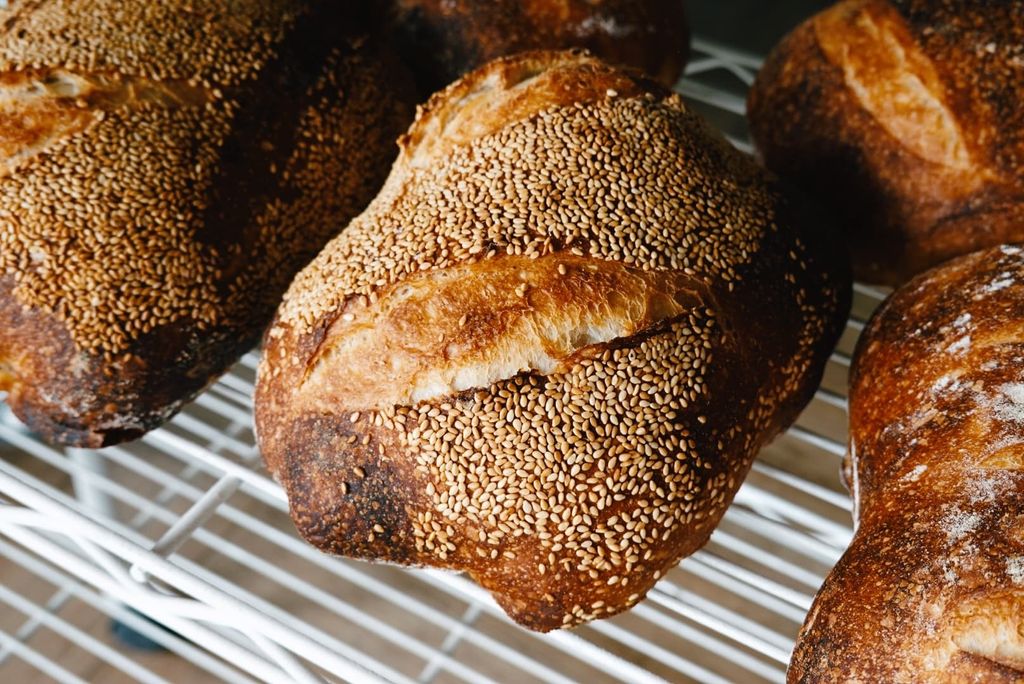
[[932, 587], [906, 118], [548, 351], [443, 39], [165, 169]]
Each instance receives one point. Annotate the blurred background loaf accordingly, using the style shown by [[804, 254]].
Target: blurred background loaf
[[164, 171], [904, 118], [443, 39]]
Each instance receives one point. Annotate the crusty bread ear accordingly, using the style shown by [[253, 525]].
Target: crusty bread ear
[[932, 586], [547, 353], [164, 171], [991, 626], [903, 118], [468, 327]]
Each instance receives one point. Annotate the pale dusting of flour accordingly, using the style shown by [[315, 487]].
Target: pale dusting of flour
[[948, 382], [1004, 281], [953, 564], [604, 24], [1009, 404], [915, 474], [989, 486], [960, 346], [959, 523], [1015, 569]]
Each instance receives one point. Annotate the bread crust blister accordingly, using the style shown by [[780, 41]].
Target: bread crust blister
[[589, 311]]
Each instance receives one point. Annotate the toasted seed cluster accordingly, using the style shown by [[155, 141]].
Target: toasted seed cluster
[[621, 179], [552, 459], [117, 259], [212, 44], [108, 223], [337, 163]]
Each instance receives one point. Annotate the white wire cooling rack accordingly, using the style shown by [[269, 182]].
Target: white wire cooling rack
[[183, 539]]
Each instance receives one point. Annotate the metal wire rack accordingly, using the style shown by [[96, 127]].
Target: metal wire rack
[[182, 538]]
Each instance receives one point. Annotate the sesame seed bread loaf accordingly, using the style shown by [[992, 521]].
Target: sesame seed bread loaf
[[905, 118], [165, 169], [932, 587], [548, 351], [444, 39]]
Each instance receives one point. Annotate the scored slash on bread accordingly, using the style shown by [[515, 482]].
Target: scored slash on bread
[[165, 169], [904, 118], [549, 350], [931, 588]]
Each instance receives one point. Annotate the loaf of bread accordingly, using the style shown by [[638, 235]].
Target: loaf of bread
[[932, 587], [165, 169], [548, 351], [443, 39], [906, 118]]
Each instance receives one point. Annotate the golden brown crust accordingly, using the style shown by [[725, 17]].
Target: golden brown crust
[[932, 586], [443, 39], [443, 332], [590, 317], [904, 117], [153, 207], [505, 91]]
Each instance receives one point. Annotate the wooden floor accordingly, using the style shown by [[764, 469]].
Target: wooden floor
[[82, 616]]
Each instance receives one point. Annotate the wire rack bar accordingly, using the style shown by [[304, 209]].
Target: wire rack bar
[[72, 587], [46, 619], [25, 490], [188, 628]]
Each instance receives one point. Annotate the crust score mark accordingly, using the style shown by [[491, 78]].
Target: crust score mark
[[487, 321]]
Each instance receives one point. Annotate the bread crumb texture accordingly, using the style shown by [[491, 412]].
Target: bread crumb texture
[[613, 247]]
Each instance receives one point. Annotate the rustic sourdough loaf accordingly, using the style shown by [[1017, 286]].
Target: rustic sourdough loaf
[[932, 587], [165, 169], [443, 39], [548, 351], [905, 118]]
